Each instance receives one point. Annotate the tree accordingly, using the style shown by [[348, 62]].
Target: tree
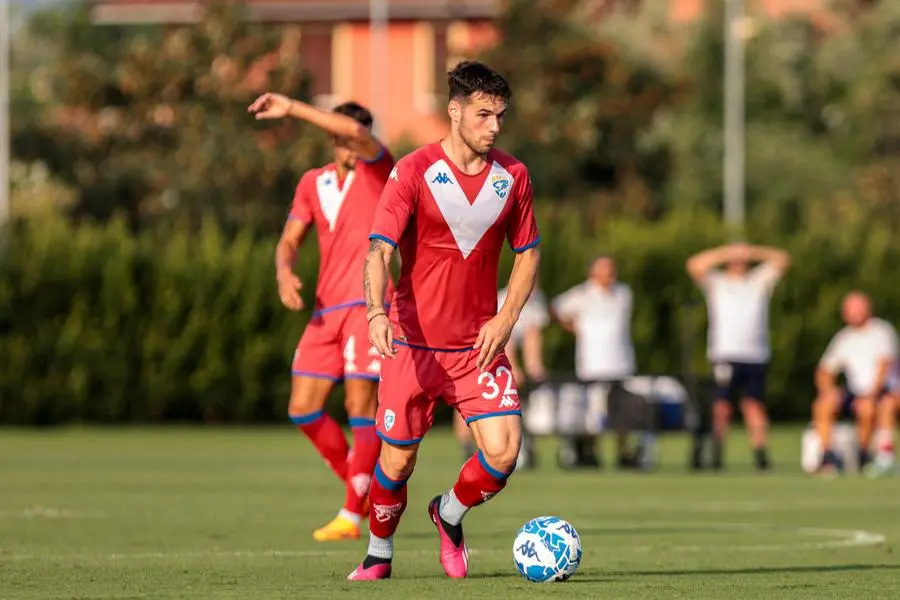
[[152, 122]]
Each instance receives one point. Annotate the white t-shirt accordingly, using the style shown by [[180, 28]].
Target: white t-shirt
[[739, 314], [534, 314], [857, 352], [602, 320]]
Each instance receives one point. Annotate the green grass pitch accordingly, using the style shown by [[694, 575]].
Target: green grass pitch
[[185, 513]]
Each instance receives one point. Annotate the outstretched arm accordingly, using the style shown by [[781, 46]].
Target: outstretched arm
[[358, 136]]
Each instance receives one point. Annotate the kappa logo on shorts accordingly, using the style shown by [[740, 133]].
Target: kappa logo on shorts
[[508, 402], [485, 496], [386, 512], [389, 419]]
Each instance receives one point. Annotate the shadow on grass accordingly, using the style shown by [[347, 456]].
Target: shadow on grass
[[751, 571]]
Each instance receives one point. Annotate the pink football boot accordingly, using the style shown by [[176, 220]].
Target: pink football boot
[[373, 573], [454, 559]]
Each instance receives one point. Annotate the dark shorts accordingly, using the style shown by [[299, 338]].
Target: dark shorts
[[847, 412], [738, 380]]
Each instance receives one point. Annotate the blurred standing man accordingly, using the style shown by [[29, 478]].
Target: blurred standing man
[[598, 312], [737, 298], [527, 335], [866, 351], [338, 200]]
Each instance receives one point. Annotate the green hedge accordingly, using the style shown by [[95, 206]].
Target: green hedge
[[102, 325]]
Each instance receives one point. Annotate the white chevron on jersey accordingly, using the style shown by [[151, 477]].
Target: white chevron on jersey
[[331, 197], [468, 222]]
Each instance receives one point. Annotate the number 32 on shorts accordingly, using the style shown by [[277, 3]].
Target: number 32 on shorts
[[490, 381]]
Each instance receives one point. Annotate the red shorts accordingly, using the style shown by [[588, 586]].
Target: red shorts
[[414, 380], [335, 345]]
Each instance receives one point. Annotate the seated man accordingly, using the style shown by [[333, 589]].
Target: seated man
[[866, 352]]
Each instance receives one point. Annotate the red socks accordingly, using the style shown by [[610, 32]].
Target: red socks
[[361, 463], [328, 438], [478, 481], [388, 501]]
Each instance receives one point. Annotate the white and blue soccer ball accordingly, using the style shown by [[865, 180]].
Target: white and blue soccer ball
[[547, 549]]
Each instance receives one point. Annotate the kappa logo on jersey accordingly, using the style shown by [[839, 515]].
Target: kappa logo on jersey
[[394, 174], [386, 512], [389, 419], [442, 178], [500, 183]]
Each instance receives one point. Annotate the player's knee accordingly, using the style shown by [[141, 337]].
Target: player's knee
[[502, 452], [864, 408], [722, 410], [304, 401], [361, 398], [398, 462], [823, 408]]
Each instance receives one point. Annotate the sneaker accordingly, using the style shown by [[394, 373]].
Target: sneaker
[[373, 573], [454, 558], [338, 529]]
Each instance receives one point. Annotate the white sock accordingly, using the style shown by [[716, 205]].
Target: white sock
[[451, 509], [381, 547], [350, 516]]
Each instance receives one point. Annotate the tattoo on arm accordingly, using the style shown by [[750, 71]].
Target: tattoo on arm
[[376, 247]]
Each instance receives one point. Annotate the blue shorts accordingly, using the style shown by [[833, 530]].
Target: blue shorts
[[738, 380]]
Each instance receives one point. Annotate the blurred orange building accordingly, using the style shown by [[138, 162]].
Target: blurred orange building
[[405, 84]]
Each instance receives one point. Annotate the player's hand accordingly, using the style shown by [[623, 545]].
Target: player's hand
[[270, 106], [492, 338], [289, 286], [381, 335]]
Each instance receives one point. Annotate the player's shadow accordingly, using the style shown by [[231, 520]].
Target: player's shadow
[[758, 570]]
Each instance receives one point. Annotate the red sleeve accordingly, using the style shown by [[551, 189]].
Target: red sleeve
[[396, 206], [522, 230], [301, 209], [380, 166]]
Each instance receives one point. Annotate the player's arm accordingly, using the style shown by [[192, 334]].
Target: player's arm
[[565, 308], [292, 236], [358, 136], [700, 264], [887, 356], [827, 369], [396, 206], [776, 259], [375, 278]]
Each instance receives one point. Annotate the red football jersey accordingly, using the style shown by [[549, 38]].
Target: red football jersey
[[342, 213], [450, 228]]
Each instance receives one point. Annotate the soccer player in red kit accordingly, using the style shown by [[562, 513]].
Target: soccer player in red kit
[[448, 208], [339, 200]]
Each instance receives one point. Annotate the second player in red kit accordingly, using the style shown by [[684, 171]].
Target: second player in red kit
[[449, 208], [339, 201]]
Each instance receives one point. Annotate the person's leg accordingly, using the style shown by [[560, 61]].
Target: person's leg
[[753, 410], [721, 412], [489, 401], [864, 409], [315, 369], [824, 412], [360, 402], [405, 414], [463, 435], [885, 424]]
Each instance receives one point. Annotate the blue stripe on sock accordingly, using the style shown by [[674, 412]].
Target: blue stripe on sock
[[361, 422], [306, 419], [491, 470], [386, 482]]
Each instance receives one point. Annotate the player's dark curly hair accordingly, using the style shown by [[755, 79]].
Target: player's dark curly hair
[[472, 77], [355, 111]]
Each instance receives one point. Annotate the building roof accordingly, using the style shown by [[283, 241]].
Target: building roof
[[123, 12]]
